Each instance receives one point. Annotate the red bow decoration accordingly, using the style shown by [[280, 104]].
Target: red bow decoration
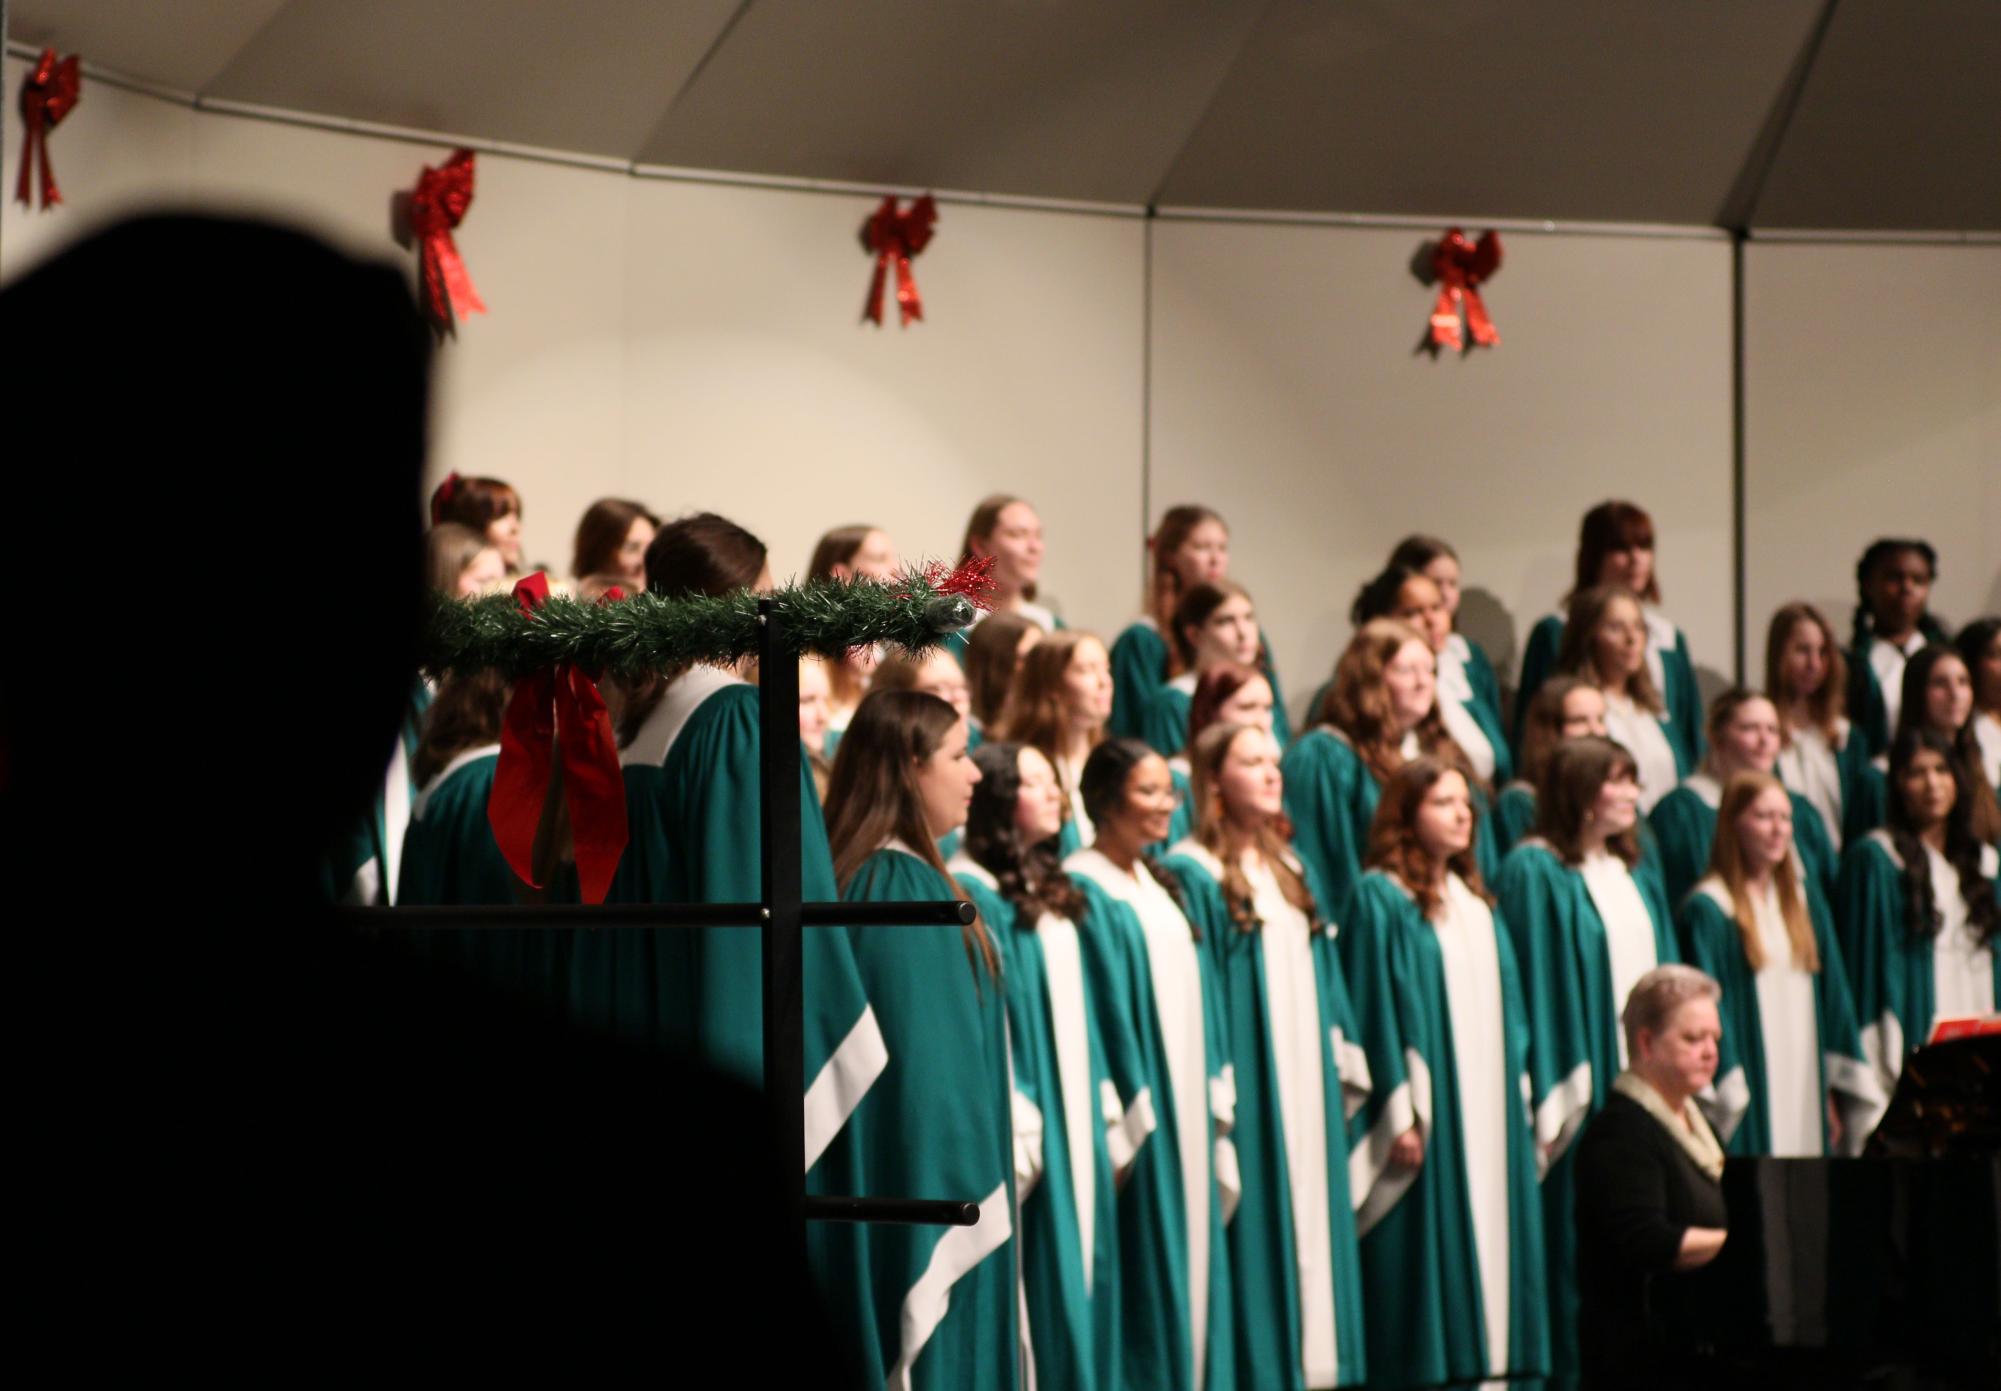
[[442, 498], [889, 236], [973, 578], [1459, 265], [50, 93], [443, 195], [559, 709]]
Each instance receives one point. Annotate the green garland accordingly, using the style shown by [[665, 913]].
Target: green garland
[[649, 633]]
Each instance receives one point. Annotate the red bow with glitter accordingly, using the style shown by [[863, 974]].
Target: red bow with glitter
[[552, 711], [1459, 265], [50, 93], [439, 204], [892, 236], [974, 579]]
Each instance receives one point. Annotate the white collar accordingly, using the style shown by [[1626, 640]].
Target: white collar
[[1096, 866], [1661, 631], [902, 847], [423, 798], [1184, 683], [1193, 849], [1705, 786], [1456, 644], [970, 868], [683, 698], [1990, 857], [1907, 649]]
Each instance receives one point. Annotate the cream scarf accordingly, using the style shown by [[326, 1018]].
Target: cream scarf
[[1695, 1137]]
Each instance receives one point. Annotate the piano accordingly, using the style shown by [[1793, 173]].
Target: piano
[[1882, 1271]]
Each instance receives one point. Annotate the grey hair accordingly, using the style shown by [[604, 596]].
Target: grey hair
[[1658, 994]]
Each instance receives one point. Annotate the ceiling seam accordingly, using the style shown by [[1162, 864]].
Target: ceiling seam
[[1251, 31], [1762, 162], [202, 91], [715, 47]]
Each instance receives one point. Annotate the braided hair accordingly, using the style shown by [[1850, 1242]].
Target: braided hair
[[1880, 550]]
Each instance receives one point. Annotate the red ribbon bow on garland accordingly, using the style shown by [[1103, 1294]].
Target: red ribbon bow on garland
[[50, 93], [1459, 265], [439, 204], [889, 236], [559, 709]]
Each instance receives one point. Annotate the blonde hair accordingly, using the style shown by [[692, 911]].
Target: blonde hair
[[1578, 656], [1657, 995], [1213, 833], [1726, 862]]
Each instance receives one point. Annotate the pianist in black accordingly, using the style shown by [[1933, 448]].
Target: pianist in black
[[1649, 1193]]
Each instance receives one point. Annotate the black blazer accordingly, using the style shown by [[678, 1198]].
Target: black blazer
[[1637, 1193]]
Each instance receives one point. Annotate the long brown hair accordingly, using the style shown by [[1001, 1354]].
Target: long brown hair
[[1358, 701], [1722, 710], [1213, 832], [1393, 839], [1037, 702], [873, 796], [1826, 706], [1985, 811], [1030, 877], [1216, 685], [465, 714], [1163, 582], [1963, 847], [1614, 526], [1726, 862], [1578, 769], [1194, 610], [991, 658], [1542, 726], [986, 516], [602, 531], [449, 547], [474, 502], [700, 555], [1578, 656]]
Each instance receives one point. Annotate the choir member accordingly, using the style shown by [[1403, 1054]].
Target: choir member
[[1917, 908], [460, 562], [1009, 530], [1606, 642], [1822, 755], [1938, 694], [1061, 698], [1300, 1077], [1893, 587], [1585, 928], [690, 750], [1380, 710], [1444, 1155], [993, 652], [1743, 738], [487, 505], [1191, 546], [945, 1299], [1408, 594], [1463, 665], [612, 538], [1214, 622], [1793, 1081], [449, 854], [1153, 983], [1979, 645], [1564, 707], [850, 553], [815, 710], [1069, 1105], [1615, 546]]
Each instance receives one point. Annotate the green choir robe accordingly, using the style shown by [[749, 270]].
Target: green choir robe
[[1331, 797], [1751, 1051], [1895, 976], [363, 866], [1867, 707], [1668, 663], [1063, 1167], [1286, 1278], [1684, 825], [939, 1121], [1452, 1253], [1575, 975], [1157, 1002], [692, 802], [1469, 700], [1859, 793], [1140, 660], [1514, 816], [450, 858]]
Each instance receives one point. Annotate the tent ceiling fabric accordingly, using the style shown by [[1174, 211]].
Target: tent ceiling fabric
[[1650, 111]]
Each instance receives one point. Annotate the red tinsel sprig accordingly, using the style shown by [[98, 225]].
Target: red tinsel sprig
[[973, 577]]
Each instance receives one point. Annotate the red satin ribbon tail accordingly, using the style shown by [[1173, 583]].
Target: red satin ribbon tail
[[593, 782], [872, 306], [463, 297], [1477, 323], [1445, 318], [909, 302], [521, 775]]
